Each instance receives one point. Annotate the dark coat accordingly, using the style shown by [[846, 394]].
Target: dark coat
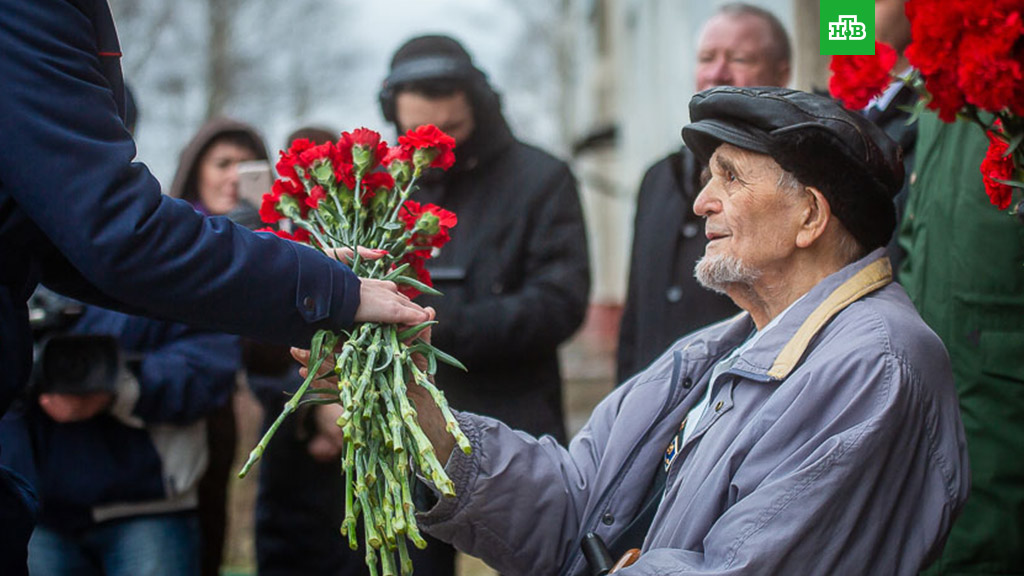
[[663, 300], [893, 119], [77, 214], [515, 277]]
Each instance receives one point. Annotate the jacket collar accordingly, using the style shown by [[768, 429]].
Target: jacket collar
[[780, 350]]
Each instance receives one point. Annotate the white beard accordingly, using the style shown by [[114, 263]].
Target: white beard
[[719, 272]]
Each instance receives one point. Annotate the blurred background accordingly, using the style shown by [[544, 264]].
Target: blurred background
[[603, 84]]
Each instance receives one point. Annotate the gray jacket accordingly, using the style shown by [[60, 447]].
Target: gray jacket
[[832, 446]]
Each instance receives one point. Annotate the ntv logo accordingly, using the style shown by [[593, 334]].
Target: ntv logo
[[847, 28]]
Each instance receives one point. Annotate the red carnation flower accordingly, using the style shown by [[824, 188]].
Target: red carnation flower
[[377, 180], [316, 194], [997, 166], [268, 209], [857, 79], [269, 212], [345, 175], [322, 152], [431, 222], [430, 137], [398, 154], [990, 73], [369, 141], [290, 158], [301, 235]]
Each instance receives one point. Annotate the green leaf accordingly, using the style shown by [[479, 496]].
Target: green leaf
[[1014, 144], [319, 399], [417, 285], [393, 226], [410, 332], [396, 272], [1011, 183], [442, 356]]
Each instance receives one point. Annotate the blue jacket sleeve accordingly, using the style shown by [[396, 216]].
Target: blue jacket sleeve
[[67, 164], [188, 377]]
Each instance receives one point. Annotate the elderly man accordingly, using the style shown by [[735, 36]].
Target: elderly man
[[815, 433], [741, 45]]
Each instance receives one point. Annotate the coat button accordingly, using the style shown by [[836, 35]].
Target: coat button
[[308, 303], [674, 294], [608, 519], [687, 383], [690, 230]]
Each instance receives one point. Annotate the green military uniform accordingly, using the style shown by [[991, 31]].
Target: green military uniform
[[964, 271]]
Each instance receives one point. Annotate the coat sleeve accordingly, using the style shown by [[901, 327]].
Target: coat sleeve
[[68, 166], [188, 377], [550, 303], [521, 499]]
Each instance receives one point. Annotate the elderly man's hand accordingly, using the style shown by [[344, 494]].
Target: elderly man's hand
[[428, 414]]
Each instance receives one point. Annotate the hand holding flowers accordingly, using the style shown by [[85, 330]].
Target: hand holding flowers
[[350, 199]]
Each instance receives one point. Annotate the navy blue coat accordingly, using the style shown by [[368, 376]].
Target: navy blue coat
[[78, 215]]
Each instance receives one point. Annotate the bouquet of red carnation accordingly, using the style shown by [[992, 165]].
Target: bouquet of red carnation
[[349, 194], [968, 59]]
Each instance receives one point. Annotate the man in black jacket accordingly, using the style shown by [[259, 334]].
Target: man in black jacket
[[741, 45], [515, 275]]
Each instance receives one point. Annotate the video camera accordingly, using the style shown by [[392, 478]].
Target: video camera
[[66, 363]]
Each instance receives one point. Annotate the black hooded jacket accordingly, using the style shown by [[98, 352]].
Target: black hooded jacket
[[515, 276]]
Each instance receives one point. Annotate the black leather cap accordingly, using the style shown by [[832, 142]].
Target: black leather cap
[[853, 162]]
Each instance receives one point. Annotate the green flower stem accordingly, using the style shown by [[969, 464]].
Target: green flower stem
[[451, 424], [404, 195], [387, 562], [371, 552], [372, 536], [403, 557], [323, 346]]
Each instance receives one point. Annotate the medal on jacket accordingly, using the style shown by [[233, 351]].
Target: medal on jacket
[[673, 447]]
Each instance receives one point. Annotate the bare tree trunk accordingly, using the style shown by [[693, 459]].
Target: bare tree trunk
[[219, 70]]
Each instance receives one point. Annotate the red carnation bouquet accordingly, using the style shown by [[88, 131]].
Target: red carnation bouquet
[[349, 194], [968, 59]]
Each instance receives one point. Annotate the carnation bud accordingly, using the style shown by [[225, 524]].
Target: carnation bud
[[289, 206], [423, 157], [322, 172], [362, 158], [428, 224], [401, 172]]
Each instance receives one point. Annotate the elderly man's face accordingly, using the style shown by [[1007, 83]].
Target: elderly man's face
[[751, 223], [736, 50]]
